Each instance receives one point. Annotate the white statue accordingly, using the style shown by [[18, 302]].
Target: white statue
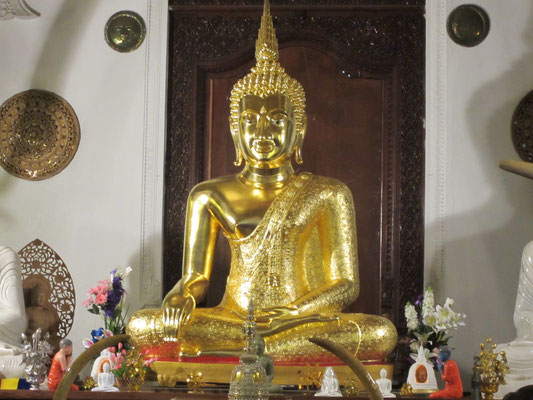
[[98, 365], [384, 384], [330, 385], [12, 314], [106, 381], [520, 351], [421, 375]]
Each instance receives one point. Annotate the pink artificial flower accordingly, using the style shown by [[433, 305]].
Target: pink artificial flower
[[116, 366], [87, 303], [147, 363], [124, 351], [113, 350], [100, 298], [87, 343], [120, 345], [119, 359], [103, 285]]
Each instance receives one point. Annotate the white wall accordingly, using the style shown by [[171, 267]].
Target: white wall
[[478, 217], [104, 209]]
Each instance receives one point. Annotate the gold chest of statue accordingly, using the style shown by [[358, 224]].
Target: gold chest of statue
[[287, 243]]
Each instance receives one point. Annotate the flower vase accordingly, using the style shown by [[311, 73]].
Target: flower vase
[[489, 389], [130, 384]]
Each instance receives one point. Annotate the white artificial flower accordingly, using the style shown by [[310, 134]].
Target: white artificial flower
[[127, 270], [448, 303], [428, 304], [430, 320], [427, 354], [411, 316]]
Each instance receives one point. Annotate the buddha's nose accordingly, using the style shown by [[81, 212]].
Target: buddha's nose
[[262, 131]]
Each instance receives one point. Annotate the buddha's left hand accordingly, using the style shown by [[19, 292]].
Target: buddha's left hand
[[268, 314], [273, 325]]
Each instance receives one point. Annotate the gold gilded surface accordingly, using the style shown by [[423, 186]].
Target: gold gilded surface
[[39, 134], [292, 238], [169, 373], [492, 367]]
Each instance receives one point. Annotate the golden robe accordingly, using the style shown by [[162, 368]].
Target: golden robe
[[302, 254]]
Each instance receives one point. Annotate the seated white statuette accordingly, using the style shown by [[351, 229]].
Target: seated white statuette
[[330, 384], [520, 351], [384, 384], [98, 365], [106, 381], [421, 375], [12, 314]]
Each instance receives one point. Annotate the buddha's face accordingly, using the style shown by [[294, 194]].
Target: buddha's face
[[266, 130]]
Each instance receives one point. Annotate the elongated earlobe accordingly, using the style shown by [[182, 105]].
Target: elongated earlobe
[[298, 155], [238, 157], [234, 136], [300, 142]]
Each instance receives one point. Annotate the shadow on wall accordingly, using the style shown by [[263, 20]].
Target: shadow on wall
[[51, 67], [150, 291], [498, 229], [6, 219], [70, 24]]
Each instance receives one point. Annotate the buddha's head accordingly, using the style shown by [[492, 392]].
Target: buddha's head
[[267, 107]]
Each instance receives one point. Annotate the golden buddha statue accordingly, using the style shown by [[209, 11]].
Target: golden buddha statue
[[292, 238]]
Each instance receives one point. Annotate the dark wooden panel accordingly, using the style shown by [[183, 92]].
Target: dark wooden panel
[[382, 91]]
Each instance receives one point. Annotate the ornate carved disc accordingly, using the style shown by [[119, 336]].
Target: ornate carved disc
[[39, 134], [37, 258], [522, 128]]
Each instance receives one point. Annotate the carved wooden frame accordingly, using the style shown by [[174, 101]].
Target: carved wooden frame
[[386, 38]]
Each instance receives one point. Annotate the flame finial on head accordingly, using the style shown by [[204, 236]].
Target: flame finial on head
[[266, 45]]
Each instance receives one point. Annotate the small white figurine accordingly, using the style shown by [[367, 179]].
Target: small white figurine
[[106, 381], [421, 375], [330, 385], [98, 365], [384, 384]]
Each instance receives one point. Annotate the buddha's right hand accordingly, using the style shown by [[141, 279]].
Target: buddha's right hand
[[177, 309]]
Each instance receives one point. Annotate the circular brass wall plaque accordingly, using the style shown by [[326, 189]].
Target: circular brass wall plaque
[[522, 128], [468, 25], [125, 31], [39, 134]]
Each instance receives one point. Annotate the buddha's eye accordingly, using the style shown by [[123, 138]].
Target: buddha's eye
[[250, 117], [277, 118]]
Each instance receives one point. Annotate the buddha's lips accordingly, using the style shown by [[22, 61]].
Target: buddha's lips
[[263, 145]]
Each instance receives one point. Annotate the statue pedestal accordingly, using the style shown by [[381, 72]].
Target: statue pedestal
[[11, 366], [218, 370], [520, 361]]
